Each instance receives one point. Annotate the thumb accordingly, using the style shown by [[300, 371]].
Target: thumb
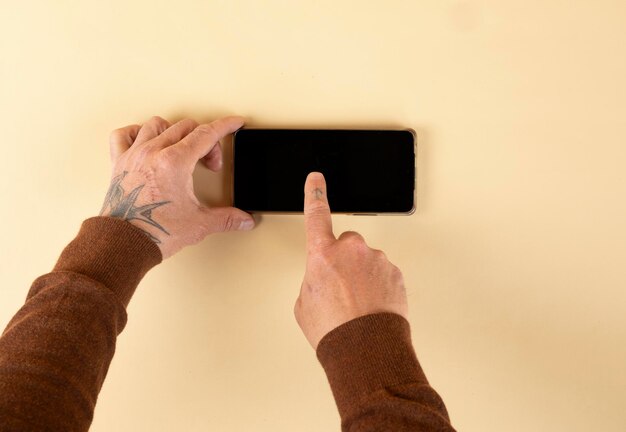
[[221, 219]]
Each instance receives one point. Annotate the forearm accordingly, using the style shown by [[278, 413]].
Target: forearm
[[55, 352], [376, 378]]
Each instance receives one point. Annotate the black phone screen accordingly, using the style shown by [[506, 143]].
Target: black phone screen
[[366, 171]]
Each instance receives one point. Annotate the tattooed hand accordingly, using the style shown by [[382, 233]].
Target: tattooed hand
[[344, 278], [152, 187]]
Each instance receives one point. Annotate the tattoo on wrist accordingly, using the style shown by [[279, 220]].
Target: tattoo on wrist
[[120, 205]]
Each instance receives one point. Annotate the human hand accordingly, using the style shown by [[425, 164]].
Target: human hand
[[152, 187], [344, 278]]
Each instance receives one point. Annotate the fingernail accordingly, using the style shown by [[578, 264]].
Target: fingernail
[[246, 225]]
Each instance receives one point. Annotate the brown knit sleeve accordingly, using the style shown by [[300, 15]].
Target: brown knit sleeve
[[376, 379], [56, 351]]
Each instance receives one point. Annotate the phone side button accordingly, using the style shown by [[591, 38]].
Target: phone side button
[[364, 214]]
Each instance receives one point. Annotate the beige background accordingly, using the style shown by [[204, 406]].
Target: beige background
[[514, 261]]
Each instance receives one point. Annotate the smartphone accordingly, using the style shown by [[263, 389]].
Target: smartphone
[[366, 171]]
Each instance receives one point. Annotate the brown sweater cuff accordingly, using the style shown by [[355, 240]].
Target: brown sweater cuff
[[112, 252], [367, 354]]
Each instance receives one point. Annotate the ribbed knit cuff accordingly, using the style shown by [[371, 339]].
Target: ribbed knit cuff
[[112, 252], [368, 354]]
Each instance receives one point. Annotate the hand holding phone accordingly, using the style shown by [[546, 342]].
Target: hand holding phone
[[344, 278], [152, 185]]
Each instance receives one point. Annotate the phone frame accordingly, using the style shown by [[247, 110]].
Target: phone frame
[[271, 212]]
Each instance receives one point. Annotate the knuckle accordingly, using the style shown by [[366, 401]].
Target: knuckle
[[354, 239], [188, 124], [125, 135], [143, 152], [379, 255], [227, 223], [396, 273], [160, 123], [116, 134], [316, 209], [207, 130]]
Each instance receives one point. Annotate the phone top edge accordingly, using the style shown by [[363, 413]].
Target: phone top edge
[[277, 213], [310, 129], [342, 129]]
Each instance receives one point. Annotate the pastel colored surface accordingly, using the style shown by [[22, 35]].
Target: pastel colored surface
[[514, 260]]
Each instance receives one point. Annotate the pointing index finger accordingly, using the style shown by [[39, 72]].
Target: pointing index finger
[[317, 219]]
